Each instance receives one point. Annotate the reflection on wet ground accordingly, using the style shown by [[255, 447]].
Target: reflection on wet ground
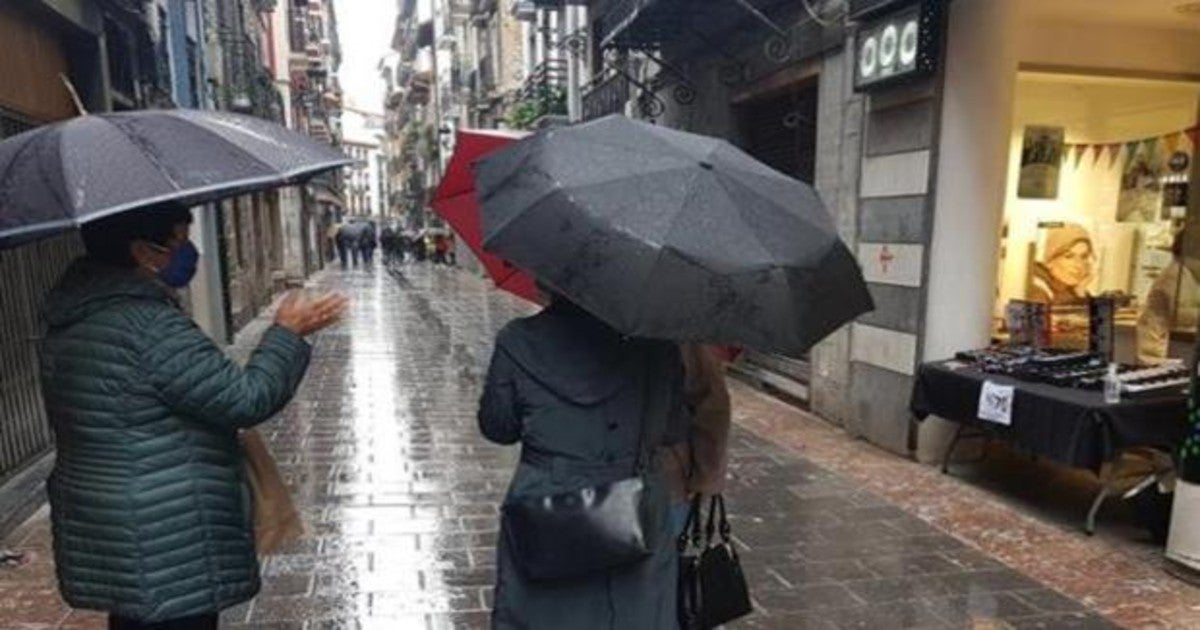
[[401, 497]]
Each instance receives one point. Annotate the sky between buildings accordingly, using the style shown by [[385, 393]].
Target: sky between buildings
[[365, 30]]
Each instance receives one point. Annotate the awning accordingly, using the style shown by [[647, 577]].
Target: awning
[[328, 197], [646, 24], [325, 191]]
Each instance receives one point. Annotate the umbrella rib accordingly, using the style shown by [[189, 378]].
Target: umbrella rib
[[29, 145], [62, 175], [663, 248], [143, 149], [742, 212], [197, 125], [33, 137], [757, 193]]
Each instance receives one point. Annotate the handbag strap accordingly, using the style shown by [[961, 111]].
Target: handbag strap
[[690, 536], [717, 527]]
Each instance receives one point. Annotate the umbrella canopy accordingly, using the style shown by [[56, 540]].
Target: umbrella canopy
[[455, 201], [666, 234], [63, 175]]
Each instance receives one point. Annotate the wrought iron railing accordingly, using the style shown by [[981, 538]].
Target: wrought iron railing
[[547, 77], [608, 94]]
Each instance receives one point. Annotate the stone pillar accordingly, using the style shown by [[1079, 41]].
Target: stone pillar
[[981, 66], [839, 151]]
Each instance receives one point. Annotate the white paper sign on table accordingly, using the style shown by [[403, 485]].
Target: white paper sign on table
[[996, 403]]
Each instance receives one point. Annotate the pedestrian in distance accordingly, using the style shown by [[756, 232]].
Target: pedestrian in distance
[[451, 250], [331, 243], [403, 245], [440, 249], [342, 240], [368, 241], [387, 241], [152, 517], [431, 253], [420, 247], [589, 406], [348, 247]]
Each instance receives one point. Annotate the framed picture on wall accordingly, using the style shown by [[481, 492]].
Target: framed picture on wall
[[1041, 162], [1140, 198]]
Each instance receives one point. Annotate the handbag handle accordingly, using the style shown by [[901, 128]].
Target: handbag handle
[[714, 527], [691, 528]]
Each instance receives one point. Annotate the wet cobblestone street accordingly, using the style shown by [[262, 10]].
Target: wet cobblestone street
[[400, 494]]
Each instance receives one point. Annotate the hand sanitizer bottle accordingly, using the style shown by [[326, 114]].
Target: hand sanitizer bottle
[[1112, 386]]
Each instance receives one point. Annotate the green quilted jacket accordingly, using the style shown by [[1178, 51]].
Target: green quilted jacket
[[151, 514]]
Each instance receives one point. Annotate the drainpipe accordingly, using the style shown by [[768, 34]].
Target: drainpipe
[[574, 97]]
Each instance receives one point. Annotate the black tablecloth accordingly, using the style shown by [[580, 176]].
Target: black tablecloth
[[1071, 426]]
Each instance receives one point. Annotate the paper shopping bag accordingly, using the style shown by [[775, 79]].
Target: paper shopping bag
[[276, 521]]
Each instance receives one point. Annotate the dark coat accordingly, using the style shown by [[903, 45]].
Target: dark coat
[[573, 392], [150, 510]]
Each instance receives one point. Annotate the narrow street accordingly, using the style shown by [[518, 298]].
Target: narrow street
[[400, 494]]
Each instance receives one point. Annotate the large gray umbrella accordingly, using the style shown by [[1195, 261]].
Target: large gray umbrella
[[666, 234], [63, 175]]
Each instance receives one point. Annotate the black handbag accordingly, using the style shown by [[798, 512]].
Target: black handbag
[[712, 587], [590, 529]]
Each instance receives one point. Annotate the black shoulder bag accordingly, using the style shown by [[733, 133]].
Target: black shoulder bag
[[712, 587], [590, 529]]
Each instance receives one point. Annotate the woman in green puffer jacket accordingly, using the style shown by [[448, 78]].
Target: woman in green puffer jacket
[[151, 513]]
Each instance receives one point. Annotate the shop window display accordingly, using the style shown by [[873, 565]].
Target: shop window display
[[1097, 203]]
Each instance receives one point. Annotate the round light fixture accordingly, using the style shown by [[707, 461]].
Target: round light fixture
[[868, 57], [908, 43], [888, 45]]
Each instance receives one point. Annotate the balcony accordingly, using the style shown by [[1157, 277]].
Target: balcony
[[548, 76], [542, 97]]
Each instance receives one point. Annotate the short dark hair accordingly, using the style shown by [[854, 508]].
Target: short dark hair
[[107, 240]]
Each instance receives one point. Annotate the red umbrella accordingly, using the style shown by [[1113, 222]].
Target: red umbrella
[[455, 202]]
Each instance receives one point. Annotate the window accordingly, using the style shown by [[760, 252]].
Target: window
[[193, 66], [1097, 196], [117, 44]]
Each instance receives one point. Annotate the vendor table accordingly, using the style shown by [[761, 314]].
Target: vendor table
[[1074, 427]]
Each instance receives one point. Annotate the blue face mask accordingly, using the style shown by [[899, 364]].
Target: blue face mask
[[182, 267]]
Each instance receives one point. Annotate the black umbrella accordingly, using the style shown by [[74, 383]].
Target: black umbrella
[[63, 175], [666, 234]]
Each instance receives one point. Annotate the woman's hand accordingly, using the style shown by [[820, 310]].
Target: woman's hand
[[304, 316]]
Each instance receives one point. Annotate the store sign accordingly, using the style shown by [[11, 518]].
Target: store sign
[[996, 403], [900, 46]]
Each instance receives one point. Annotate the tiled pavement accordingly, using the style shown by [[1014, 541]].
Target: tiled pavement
[[401, 493]]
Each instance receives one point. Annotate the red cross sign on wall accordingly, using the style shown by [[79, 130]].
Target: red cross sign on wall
[[885, 258]]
